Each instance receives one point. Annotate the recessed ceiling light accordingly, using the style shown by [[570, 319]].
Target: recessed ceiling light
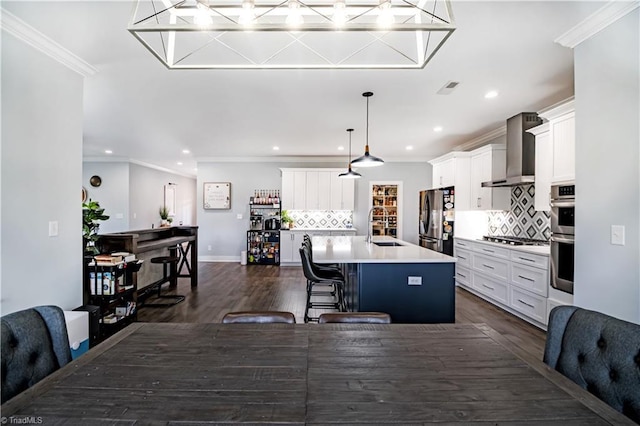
[[185, 151], [341, 148], [409, 148], [195, 169], [179, 163], [276, 148], [437, 129], [491, 94], [108, 151]]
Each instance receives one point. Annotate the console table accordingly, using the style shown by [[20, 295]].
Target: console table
[[179, 241]]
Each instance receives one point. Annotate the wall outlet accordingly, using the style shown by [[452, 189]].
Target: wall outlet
[[119, 216], [135, 215], [53, 228], [209, 248], [239, 216], [415, 281], [617, 235]]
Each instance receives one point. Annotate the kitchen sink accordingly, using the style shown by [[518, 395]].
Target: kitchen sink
[[387, 244]]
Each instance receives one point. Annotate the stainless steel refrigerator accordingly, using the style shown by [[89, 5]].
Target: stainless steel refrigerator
[[436, 220]]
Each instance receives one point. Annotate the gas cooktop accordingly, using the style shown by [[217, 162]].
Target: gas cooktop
[[515, 241]]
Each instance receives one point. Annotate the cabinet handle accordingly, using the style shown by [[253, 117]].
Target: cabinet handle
[[527, 278], [462, 257], [488, 266], [488, 251], [462, 244], [526, 304], [524, 258], [489, 287], [462, 275], [479, 203]]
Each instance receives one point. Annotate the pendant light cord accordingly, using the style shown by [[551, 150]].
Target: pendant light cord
[[367, 121]]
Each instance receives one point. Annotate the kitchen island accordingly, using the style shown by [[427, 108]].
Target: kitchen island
[[411, 283]]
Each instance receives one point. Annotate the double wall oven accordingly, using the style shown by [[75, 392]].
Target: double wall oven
[[563, 202]]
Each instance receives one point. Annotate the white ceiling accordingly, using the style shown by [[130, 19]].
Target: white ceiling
[[145, 112]]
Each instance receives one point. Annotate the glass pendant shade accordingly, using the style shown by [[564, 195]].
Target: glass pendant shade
[[350, 174], [367, 160]]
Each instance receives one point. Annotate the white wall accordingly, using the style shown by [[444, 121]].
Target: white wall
[[41, 180], [136, 193], [607, 76], [112, 194], [146, 196], [226, 234]]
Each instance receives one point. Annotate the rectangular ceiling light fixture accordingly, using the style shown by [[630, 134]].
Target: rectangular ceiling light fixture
[[281, 34]]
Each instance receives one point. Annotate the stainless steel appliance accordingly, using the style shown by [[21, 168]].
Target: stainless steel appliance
[[436, 220], [563, 200], [521, 151]]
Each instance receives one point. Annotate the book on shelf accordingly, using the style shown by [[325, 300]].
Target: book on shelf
[[107, 258]]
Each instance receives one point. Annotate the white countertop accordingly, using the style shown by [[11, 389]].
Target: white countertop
[[354, 249], [319, 229], [541, 250]]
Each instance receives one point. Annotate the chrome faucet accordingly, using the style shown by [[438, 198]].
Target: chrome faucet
[[385, 218]]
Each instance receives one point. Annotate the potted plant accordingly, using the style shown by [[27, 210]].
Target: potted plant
[[285, 220], [91, 214], [164, 216]]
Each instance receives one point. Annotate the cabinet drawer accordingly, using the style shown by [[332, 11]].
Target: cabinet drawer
[[492, 250], [531, 279], [344, 233], [533, 306], [463, 244], [530, 259], [494, 267], [491, 288], [463, 275], [464, 257]]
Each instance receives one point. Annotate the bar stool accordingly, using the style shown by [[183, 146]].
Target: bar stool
[[166, 261], [335, 284]]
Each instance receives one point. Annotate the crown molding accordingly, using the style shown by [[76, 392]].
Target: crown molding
[[559, 109], [137, 162], [596, 22], [482, 140], [34, 38]]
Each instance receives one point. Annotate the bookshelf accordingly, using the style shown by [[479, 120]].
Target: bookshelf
[[112, 287]]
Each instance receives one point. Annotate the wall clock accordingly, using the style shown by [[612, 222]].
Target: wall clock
[[95, 180]]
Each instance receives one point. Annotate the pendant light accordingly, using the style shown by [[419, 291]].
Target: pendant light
[[350, 174], [367, 160]]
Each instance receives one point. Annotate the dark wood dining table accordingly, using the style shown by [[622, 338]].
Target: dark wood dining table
[[281, 374]]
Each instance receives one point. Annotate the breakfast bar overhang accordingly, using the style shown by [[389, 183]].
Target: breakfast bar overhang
[[409, 282]]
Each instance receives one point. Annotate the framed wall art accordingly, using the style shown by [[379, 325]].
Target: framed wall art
[[170, 198], [217, 195]]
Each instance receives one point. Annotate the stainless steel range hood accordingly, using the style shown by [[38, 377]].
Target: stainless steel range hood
[[521, 151]]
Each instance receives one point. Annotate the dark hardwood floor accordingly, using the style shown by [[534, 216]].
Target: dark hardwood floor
[[226, 287]]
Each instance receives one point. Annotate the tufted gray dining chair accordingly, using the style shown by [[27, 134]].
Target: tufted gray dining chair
[[598, 352], [34, 344]]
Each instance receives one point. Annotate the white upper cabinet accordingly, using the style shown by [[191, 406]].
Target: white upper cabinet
[[562, 133], [316, 189], [342, 193], [488, 163], [452, 169], [544, 167], [312, 191]]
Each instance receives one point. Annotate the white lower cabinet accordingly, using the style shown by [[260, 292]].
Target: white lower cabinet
[[512, 279], [496, 290], [529, 304]]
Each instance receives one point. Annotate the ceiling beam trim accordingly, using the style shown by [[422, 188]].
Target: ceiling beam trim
[[34, 38], [596, 22]]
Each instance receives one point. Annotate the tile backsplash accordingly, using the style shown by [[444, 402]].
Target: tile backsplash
[[338, 219], [522, 220]]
